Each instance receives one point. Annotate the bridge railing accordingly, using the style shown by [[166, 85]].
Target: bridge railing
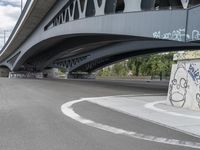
[[78, 9]]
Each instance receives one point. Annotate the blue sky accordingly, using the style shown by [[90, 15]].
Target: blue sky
[[9, 13]]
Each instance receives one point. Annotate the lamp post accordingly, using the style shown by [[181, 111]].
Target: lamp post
[[21, 5], [4, 35]]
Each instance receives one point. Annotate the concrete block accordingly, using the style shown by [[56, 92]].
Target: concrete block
[[184, 85]]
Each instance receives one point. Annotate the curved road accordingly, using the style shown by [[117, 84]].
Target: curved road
[[31, 119]]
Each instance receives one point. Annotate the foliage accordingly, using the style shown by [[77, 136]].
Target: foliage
[[151, 65]]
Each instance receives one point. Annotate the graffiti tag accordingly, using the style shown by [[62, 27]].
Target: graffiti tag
[[198, 99], [194, 73], [178, 35], [195, 35]]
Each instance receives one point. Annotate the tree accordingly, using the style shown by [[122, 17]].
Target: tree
[[120, 69], [134, 64], [149, 65]]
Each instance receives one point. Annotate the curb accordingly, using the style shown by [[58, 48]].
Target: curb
[[149, 120]]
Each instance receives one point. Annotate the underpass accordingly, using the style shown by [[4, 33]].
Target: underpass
[[31, 117], [83, 36], [80, 37]]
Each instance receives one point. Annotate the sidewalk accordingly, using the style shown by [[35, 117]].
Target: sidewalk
[[150, 108]]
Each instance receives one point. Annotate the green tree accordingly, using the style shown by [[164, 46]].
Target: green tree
[[149, 65], [120, 69], [134, 64]]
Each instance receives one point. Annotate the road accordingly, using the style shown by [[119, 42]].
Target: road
[[31, 118]]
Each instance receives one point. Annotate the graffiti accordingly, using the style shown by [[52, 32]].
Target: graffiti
[[184, 85], [198, 99], [195, 35], [157, 35], [178, 87], [194, 73], [178, 35]]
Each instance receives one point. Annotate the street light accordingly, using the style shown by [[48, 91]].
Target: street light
[[21, 5], [4, 35]]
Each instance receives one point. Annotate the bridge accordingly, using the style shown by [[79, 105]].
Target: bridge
[[82, 36]]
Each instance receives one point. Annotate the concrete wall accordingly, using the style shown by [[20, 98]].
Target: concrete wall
[[51, 73], [184, 86]]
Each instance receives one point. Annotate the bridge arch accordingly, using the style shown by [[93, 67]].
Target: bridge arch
[[89, 62], [45, 52]]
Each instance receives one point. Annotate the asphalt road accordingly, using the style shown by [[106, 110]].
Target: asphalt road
[[31, 119]]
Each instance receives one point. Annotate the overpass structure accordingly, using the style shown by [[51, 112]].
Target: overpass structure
[[82, 36]]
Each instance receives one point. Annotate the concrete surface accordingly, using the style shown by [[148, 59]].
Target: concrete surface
[[30, 117], [180, 119]]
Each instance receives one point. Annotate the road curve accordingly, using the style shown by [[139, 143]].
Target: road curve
[[30, 116]]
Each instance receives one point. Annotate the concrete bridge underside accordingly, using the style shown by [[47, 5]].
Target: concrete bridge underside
[[82, 36]]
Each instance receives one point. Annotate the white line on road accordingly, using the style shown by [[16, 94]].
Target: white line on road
[[153, 107], [67, 109]]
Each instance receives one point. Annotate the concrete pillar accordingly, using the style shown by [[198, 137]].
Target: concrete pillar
[[184, 84], [51, 73]]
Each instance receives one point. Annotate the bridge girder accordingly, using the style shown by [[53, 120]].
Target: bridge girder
[[86, 35], [103, 56]]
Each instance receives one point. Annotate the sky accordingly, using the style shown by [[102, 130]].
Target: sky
[[9, 13]]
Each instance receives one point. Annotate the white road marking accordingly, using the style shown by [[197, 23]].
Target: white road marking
[[67, 109], [153, 107]]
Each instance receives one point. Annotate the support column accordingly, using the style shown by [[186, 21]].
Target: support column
[[51, 73], [184, 85]]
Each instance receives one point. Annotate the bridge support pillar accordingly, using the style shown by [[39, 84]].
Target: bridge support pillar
[[75, 75], [51, 73], [184, 85], [4, 72]]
